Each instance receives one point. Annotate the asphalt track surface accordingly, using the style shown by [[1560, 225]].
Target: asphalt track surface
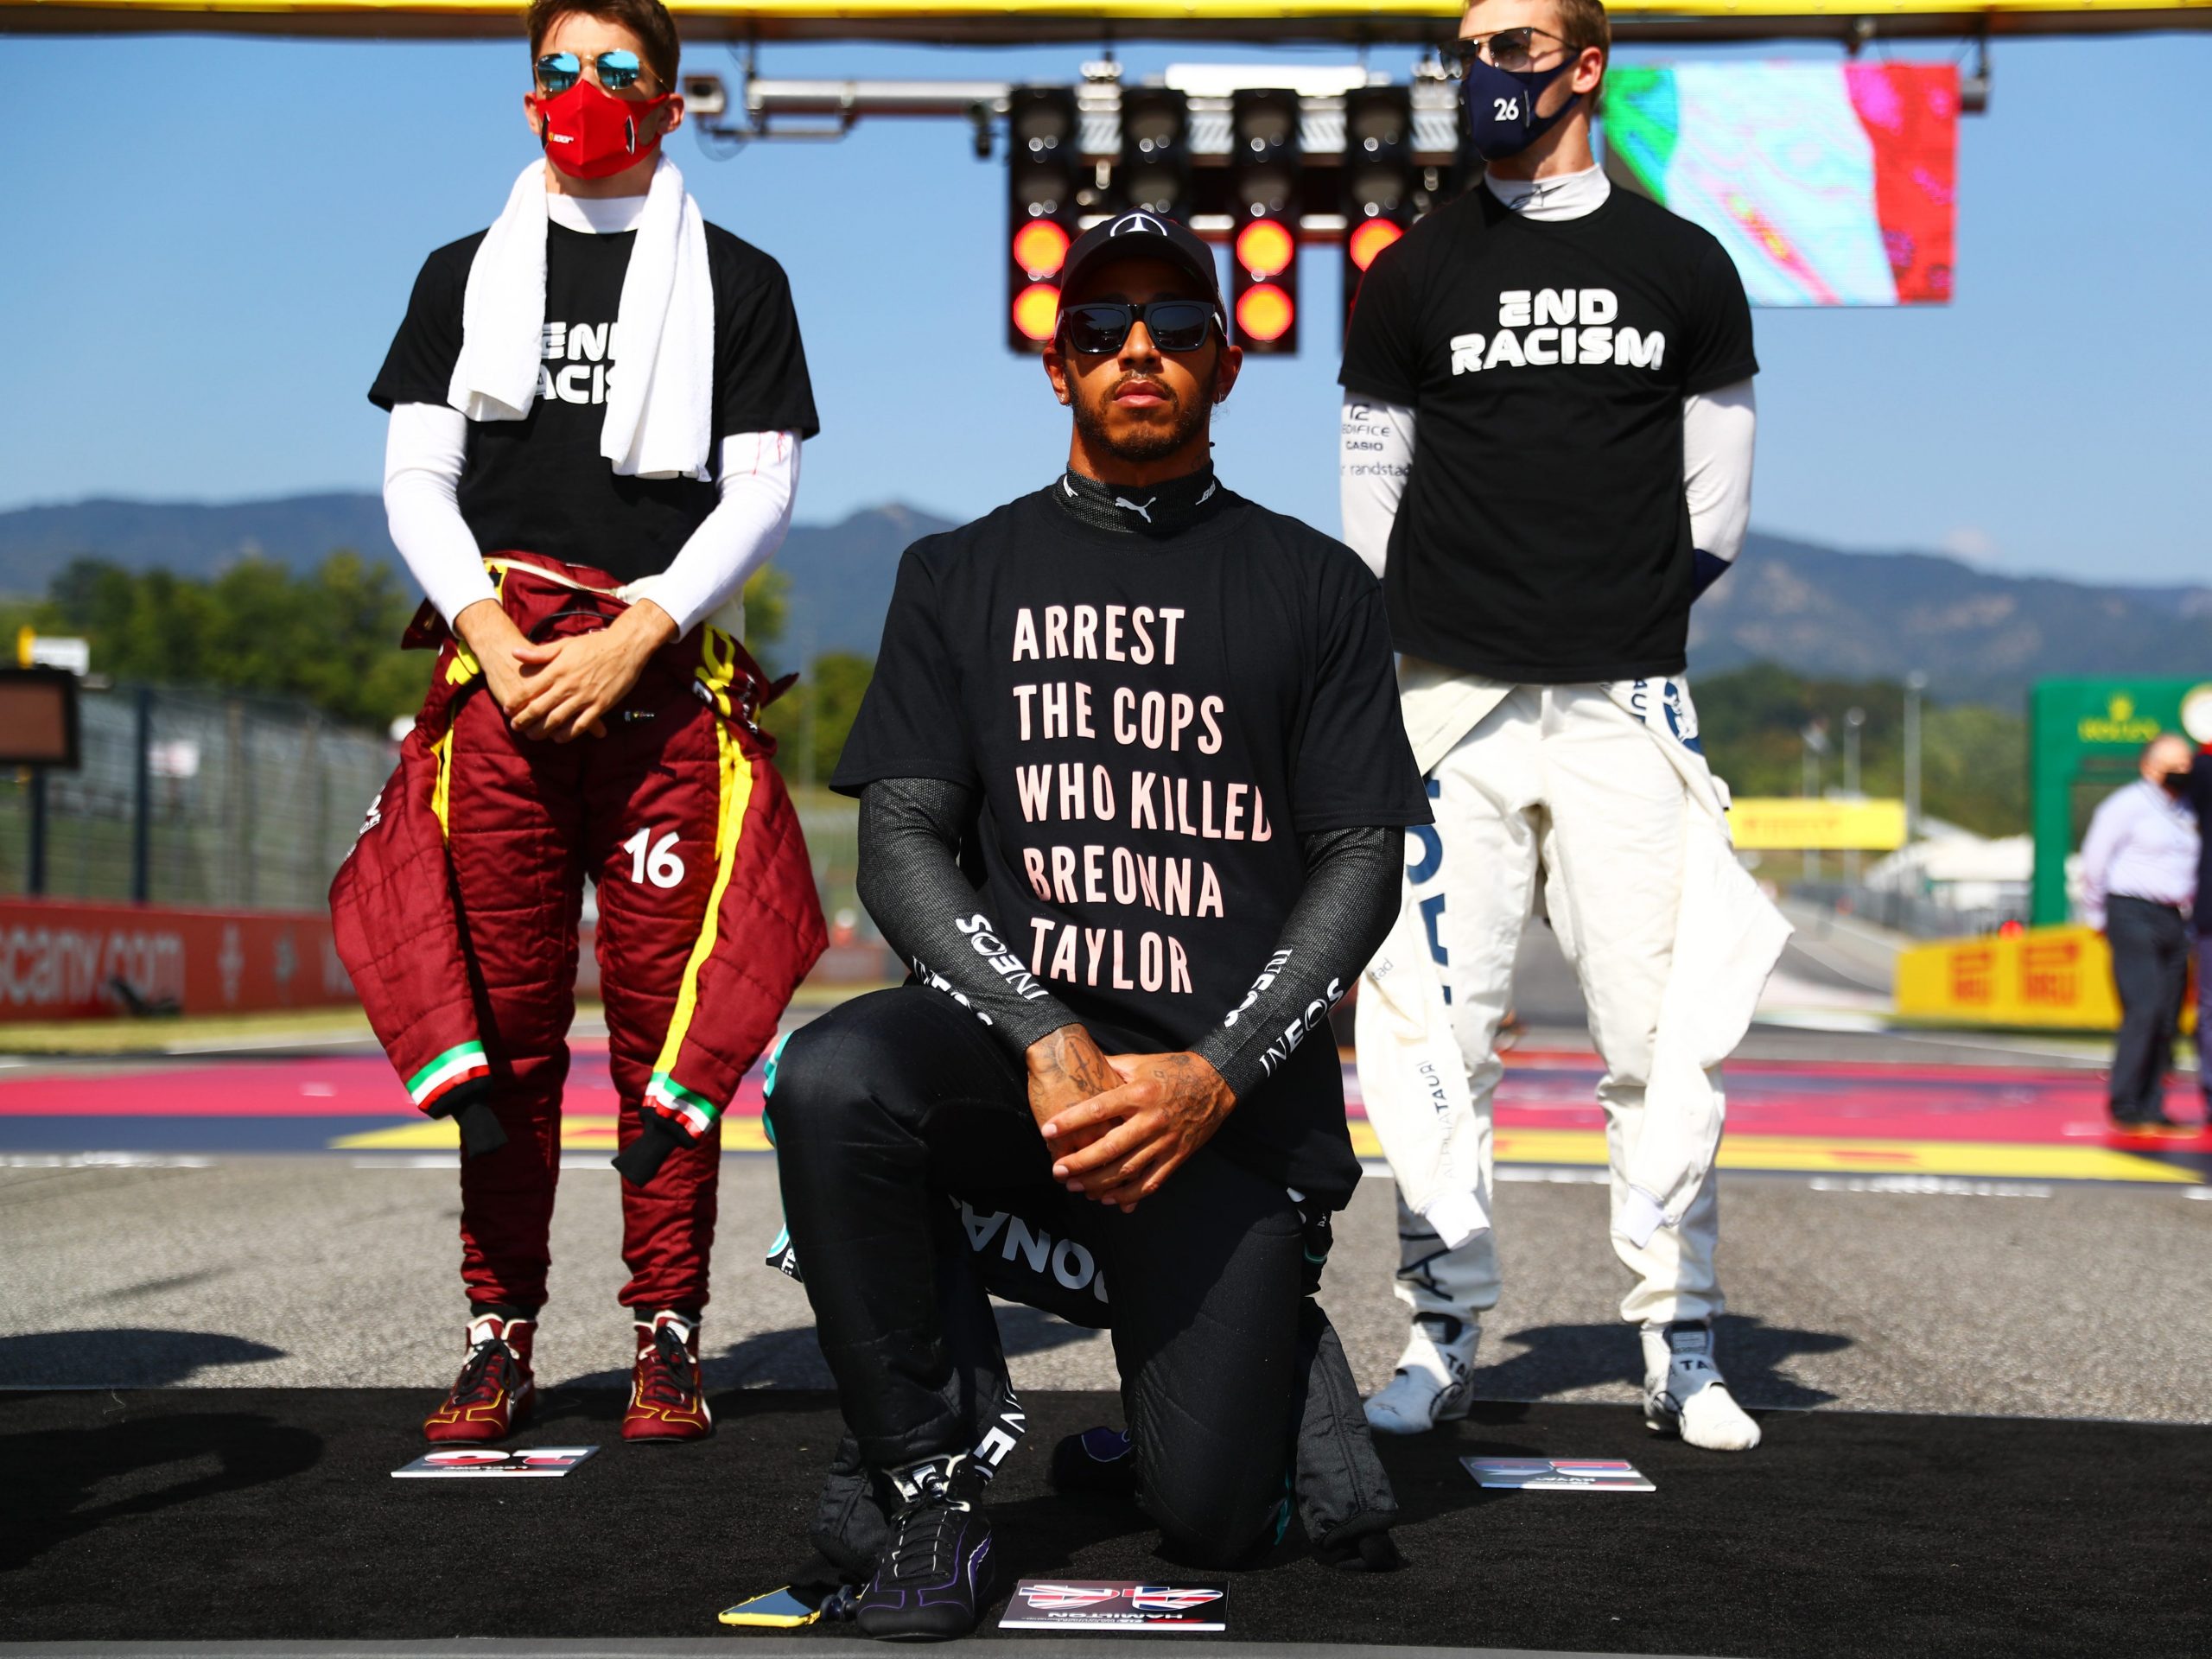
[[1911, 1224], [1931, 1239], [227, 1515]]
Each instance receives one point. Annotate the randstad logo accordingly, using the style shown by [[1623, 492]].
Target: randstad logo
[[2119, 724], [1557, 326]]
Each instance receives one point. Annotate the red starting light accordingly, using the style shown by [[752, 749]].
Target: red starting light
[[1040, 247], [1266, 248], [1037, 310], [1369, 237], [1264, 313]]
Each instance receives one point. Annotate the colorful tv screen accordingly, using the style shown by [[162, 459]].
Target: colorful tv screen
[[1829, 184]]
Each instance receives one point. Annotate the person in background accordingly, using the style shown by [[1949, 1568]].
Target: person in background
[[2139, 871], [2197, 792]]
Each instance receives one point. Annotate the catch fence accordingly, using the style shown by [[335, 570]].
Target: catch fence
[[195, 798], [199, 798]]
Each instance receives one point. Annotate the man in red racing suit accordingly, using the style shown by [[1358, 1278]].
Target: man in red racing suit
[[457, 915], [617, 387]]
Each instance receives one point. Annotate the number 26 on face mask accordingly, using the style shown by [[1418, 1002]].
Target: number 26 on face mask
[[662, 866]]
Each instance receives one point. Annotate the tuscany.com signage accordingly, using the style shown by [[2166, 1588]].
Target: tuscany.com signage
[[61, 960]]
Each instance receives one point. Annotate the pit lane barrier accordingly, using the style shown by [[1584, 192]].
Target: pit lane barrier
[[2055, 978]]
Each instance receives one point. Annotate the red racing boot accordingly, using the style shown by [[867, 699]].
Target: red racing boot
[[495, 1392], [668, 1399]]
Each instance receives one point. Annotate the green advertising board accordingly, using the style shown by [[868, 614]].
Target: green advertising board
[[2088, 736]]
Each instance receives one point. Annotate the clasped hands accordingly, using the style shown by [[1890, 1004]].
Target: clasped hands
[[561, 690], [1119, 1125]]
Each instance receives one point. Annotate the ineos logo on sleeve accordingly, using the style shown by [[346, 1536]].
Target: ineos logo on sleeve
[[989, 946]]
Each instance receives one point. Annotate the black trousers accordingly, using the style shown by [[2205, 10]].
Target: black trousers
[[2150, 968], [2204, 1005], [915, 1182]]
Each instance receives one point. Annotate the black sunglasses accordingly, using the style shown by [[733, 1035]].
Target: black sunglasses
[[618, 71], [1103, 326]]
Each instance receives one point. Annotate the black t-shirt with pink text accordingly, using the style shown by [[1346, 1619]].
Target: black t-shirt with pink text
[[1151, 723]]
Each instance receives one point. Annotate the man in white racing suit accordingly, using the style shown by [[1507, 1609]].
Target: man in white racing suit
[[1547, 441]]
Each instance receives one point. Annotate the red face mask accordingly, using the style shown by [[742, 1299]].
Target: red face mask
[[588, 133]]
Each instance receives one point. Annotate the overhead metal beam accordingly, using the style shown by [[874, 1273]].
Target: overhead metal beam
[[1090, 22]]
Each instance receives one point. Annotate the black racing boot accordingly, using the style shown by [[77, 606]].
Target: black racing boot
[[1096, 1460], [935, 1576]]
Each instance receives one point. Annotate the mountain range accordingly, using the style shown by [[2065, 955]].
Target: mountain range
[[1979, 636]]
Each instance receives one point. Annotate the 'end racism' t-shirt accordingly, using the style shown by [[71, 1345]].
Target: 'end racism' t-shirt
[[1544, 537], [539, 485], [1150, 724]]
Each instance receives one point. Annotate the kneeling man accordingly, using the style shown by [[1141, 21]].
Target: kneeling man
[[1133, 789]]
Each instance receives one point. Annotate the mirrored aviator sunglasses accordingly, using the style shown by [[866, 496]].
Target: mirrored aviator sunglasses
[[1512, 50], [1100, 328], [617, 71]]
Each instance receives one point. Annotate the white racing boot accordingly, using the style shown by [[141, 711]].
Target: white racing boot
[[1684, 1393], [1434, 1381]]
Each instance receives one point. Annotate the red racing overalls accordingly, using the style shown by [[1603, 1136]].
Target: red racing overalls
[[457, 913]]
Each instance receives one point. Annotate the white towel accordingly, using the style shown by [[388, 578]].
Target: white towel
[[659, 415]]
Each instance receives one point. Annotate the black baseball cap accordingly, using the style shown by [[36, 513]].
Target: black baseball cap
[[1139, 235]]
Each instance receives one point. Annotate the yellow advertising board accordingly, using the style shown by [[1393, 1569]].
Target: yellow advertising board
[[1789, 822], [2058, 978]]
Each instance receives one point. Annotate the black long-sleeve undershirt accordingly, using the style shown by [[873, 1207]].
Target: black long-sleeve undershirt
[[1347, 910], [911, 881]]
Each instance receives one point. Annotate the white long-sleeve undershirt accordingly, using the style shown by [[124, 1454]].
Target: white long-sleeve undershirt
[[424, 447], [1720, 435], [1719, 428]]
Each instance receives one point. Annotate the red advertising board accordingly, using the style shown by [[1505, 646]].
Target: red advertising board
[[60, 959], [66, 959]]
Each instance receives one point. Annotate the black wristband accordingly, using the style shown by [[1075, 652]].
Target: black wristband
[[479, 1127], [641, 1159]]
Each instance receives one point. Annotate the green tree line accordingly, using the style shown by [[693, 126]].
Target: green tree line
[[1973, 760], [331, 637]]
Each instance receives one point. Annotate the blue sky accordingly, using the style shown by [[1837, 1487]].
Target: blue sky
[[228, 229]]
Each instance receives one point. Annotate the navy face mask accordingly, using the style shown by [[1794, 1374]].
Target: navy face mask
[[1501, 118]]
